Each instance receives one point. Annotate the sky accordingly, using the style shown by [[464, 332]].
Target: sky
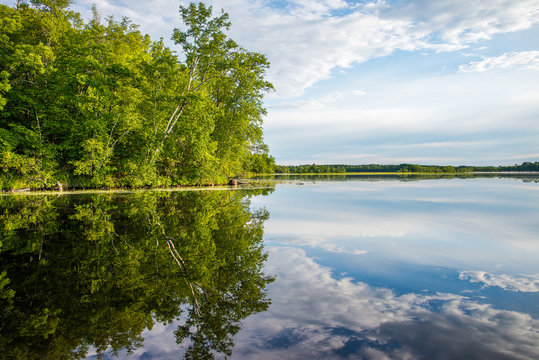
[[385, 81]]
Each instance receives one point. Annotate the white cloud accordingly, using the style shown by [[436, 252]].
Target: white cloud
[[359, 92], [522, 283], [366, 226], [315, 8], [307, 40], [519, 60], [306, 49], [524, 156], [458, 23]]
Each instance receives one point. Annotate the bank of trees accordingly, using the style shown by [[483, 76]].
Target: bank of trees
[[98, 103], [401, 168], [309, 169]]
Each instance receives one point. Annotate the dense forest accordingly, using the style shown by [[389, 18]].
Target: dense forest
[[402, 168], [98, 103]]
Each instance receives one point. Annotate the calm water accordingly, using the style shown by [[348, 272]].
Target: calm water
[[329, 268]]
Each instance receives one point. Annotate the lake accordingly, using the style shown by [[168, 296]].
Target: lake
[[323, 267]]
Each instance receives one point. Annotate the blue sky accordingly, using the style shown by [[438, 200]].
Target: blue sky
[[445, 81]]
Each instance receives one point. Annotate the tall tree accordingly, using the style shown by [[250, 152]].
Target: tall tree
[[99, 104]]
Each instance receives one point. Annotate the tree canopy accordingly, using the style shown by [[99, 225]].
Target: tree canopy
[[98, 103]]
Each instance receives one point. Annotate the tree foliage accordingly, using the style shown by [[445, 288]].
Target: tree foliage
[[98, 103]]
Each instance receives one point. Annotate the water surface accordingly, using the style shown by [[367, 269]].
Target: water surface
[[356, 268], [429, 269]]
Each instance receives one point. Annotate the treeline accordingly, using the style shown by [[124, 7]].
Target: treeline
[[98, 103], [309, 169], [402, 168]]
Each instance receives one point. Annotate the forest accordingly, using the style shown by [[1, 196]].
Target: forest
[[97, 103], [402, 168]]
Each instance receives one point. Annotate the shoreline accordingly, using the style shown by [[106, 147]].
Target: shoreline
[[129, 191], [412, 173], [254, 183]]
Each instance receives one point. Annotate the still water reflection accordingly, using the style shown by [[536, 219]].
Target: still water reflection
[[430, 269], [87, 274], [364, 268]]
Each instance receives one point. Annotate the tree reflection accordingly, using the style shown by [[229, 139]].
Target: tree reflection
[[96, 270]]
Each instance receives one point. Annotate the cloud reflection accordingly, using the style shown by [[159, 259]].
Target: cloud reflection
[[436, 222], [317, 316], [522, 283], [316, 241]]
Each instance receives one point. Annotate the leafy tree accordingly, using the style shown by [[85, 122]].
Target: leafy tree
[[261, 163], [99, 104]]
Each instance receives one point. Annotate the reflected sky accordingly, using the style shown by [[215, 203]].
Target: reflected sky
[[471, 224], [436, 269], [431, 269], [317, 315]]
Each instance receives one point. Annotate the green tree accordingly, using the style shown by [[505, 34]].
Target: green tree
[[99, 104]]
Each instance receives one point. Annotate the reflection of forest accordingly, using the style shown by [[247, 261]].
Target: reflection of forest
[[96, 270], [525, 177]]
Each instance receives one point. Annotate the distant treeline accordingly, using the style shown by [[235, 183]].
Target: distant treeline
[[402, 168]]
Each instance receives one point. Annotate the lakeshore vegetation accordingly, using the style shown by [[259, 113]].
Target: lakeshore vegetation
[[100, 104], [401, 168]]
